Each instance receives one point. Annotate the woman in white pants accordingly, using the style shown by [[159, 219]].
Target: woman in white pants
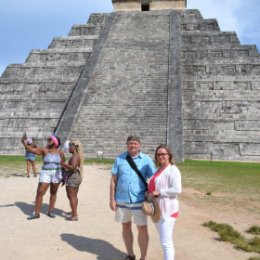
[[166, 186]]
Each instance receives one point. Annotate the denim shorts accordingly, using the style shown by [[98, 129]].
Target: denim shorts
[[50, 176], [30, 158]]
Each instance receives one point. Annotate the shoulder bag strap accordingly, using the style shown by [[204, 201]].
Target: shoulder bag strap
[[134, 167]]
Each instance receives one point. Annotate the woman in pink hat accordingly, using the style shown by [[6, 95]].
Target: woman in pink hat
[[50, 175]]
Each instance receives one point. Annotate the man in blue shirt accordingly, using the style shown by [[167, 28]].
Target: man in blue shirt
[[127, 192]]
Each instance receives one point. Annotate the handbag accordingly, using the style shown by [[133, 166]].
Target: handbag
[[66, 174], [151, 208]]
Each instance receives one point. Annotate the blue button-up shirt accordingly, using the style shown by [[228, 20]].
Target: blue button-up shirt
[[130, 188]]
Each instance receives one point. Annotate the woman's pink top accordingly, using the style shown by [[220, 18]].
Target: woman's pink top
[[168, 182]]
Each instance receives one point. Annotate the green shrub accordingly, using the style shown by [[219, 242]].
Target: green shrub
[[228, 234], [254, 230]]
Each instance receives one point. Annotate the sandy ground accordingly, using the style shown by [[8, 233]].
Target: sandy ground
[[96, 235]]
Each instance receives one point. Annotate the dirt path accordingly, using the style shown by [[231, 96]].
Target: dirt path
[[96, 235]]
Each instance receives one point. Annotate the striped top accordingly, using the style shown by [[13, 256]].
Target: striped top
[[51, 161]]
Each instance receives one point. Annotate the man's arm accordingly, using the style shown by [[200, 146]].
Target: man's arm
[[113, 182]]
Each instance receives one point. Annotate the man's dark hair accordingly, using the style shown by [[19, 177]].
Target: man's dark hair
[[133, 138]]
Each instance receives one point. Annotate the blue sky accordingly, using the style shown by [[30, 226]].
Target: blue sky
[[32, 24]]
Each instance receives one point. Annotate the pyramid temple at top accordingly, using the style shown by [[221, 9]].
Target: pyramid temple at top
[[150, 68]]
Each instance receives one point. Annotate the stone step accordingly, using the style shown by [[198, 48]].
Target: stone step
[[97, 18], [85, 29], [221, 83], [16, 89], [201, 25], [33, 132], [128, 89], [239, 60], [221, 110], [129, 117], [219, 136], [141, 57], [225, 83], [215, 39], [241, 47], [11, 124], [222, 95], [13, 139], [73, 42], [50, 73], [152, 129], [57, 57], [231, 70], [120, 141], [31, 114], [36, 81], [155, 132], [228, 153], [62, 96], [237, 125], [211, 54], [191, 15], [23, 105], [39, 97]]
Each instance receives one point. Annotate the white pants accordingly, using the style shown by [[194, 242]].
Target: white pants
[[165, 228]]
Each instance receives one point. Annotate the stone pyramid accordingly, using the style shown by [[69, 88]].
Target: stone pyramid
[[169, 76]]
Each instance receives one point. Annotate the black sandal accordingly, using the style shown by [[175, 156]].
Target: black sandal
[[128, 257]]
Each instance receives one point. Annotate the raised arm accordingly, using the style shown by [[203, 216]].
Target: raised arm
[[35, 150]]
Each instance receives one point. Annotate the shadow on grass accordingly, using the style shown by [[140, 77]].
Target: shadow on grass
[[28, 209], [103, 249]]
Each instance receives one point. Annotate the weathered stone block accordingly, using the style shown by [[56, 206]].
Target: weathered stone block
[[249, 149], [247, 125], [256, 85], [85, 29]]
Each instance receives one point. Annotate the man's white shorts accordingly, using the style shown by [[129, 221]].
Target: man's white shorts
[[125, 212]]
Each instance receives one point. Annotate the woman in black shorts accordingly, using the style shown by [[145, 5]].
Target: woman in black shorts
[[72, 171]]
